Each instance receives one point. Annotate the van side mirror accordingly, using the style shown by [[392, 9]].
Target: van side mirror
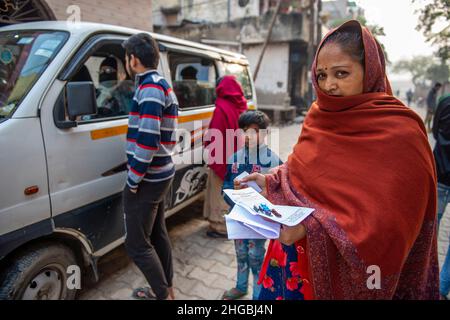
[[81, 99]]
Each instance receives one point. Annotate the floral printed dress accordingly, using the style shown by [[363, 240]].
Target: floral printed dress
[[282, 276]]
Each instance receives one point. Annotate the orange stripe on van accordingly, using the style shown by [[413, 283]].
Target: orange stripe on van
[[116, 131], [108, 132], [200, 116]]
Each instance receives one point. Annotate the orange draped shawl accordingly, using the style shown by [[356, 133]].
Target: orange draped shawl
[[364, 163]]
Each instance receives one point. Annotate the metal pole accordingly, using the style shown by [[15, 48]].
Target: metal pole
[[311, 47], [266, 42], [319, 22], [311, 33]]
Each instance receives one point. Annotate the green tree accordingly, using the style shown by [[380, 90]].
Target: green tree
[[423, 69], [416, 66], [438, 73], [432, 14]]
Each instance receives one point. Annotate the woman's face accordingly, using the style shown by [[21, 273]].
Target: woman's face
[[339, 74]]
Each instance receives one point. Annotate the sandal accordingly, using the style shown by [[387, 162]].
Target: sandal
[[216, 234], [233, 294], [143, 293]]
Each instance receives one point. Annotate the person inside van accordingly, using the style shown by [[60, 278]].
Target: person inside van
[[189, 73], [114, 96], [187, 88], [107, 83]]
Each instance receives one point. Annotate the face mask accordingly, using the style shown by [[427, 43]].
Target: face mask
[[104, 77]]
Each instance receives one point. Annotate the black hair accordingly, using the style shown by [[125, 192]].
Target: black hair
[[350, 41], [254, 117], [189, 73], [438, 84], [110, 62], [143, 47]]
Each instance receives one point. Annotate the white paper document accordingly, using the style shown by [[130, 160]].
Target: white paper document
[[255, 227], [256, 204], [248, 218]]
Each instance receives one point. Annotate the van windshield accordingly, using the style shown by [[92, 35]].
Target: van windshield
[[24, 55]]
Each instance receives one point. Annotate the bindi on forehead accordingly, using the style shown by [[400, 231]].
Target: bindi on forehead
[[334, 67], [320, 68]]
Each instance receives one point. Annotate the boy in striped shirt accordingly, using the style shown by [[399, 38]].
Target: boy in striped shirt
[[150, 142]]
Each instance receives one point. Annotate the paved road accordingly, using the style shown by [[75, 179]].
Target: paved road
[[203, 267]]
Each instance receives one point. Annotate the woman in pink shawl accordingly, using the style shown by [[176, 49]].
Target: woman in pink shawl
[[230, 103]]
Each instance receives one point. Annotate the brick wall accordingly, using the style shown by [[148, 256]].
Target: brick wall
[[127, 13]]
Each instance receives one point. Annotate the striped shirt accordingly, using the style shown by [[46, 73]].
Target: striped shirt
[[151, 134]]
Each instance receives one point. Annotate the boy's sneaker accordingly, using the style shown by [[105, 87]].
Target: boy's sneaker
[[216, 234], [233, 294]]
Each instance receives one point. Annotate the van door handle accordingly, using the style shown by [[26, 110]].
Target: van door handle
[[180, 141]]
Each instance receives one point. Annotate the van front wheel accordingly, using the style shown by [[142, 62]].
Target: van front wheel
[[39, 273]]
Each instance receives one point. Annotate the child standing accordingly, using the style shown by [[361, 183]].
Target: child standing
[[254, 157]]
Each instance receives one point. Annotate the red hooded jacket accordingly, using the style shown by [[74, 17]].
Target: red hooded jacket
[[230, 103]]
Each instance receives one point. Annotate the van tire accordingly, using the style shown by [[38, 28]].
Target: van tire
[[40, 269]]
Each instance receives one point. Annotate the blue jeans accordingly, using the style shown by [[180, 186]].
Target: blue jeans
[[250, 255], [443, 200]]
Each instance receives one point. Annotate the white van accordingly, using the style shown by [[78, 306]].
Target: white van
[[62, 171]]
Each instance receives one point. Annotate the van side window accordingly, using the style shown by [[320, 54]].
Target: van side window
[[114, 89], [193, 80], [242, 75]]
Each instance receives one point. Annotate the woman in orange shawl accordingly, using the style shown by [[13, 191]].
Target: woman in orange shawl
[[364, 163]]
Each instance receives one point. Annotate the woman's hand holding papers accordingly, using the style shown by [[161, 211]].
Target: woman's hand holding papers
[[290, 235], [258, 178]]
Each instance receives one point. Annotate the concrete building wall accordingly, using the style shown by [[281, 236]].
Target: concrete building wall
[[217, 11], [272, 81], [278, 77], [251, 10], [212, 11], [251, 31], [127, 13], [160, 19]]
